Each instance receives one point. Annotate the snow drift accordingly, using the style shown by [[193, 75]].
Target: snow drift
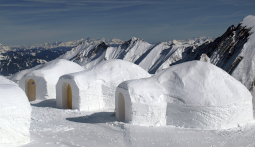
[[15, 112], [192, 95], [40, 82], [94, 89]]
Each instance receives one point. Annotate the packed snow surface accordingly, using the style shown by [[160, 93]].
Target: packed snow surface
[[15, 114], [94, 89], [46, 76], [54, 127], [194, 94]]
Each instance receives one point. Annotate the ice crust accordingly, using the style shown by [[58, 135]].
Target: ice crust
[[15, 112], [46, 77], [94, 89], [194, 94]]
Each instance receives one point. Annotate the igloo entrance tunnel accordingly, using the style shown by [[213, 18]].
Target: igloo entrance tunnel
[[94, 89], [192, 95], [41, 82], [67, 95]]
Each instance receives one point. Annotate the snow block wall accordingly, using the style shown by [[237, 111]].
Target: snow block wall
[[40, 83], [194, 94], [209, 117], [94, 89], [131, 107], [15, 114]]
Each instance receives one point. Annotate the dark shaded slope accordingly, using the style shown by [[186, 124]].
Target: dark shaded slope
[[223, 51], [18, 60]]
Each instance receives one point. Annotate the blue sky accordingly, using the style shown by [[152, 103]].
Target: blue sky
[[27, 22]]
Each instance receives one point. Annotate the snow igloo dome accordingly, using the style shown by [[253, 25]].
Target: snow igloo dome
[[40, 83], [15, 112], [94, 89], [194, 94]]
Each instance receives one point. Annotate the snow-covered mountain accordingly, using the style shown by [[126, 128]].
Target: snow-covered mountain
[[151, 57], [3, 49], [234, 52], [243, 66], [20, 57], [13, 61]]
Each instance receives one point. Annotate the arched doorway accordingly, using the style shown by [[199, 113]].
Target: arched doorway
[[121, 107], [69, 96], [31, 90]]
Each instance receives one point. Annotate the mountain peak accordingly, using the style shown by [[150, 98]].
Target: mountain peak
[[134, 38], [248, 21], [191, 41], [130, 42], [102, 45]]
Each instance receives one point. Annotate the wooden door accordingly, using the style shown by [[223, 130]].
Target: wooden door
[[69, 97], [121, 105], [31, 90]]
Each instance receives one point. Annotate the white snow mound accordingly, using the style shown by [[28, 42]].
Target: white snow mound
[[194, 94], [15, 112], [46, 77], [94, 89]]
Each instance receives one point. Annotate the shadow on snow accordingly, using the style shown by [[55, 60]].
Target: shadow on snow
[[99, 117], [46, 103]]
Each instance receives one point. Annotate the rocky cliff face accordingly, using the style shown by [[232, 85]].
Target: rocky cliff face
[[224, 51]]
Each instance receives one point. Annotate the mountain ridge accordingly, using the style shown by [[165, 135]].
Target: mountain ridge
[[73, 43], [134, 50], [16, 58], [234, 52]]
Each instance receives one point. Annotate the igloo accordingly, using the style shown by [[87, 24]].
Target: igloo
[[41, 82], [15, 112], [194, 94], [94, 89]]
